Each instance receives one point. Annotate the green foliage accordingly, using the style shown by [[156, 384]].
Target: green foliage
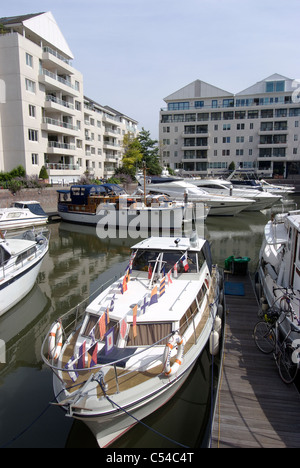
[[43, 173]]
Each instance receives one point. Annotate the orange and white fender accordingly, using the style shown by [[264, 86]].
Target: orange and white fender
[[55, 340], [174, 341]]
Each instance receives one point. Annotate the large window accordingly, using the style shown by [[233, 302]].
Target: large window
[[274, 86], [178, 105]]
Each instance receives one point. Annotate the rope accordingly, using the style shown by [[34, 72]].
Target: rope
[[138, 420]]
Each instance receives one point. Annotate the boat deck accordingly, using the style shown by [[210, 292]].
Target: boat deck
[[255, 409]]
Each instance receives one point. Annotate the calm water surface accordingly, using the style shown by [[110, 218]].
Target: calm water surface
[[77, 264]]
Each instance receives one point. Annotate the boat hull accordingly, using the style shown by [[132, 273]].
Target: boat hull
[[147, 218], [22, 223], [14, 288], [108, 429]]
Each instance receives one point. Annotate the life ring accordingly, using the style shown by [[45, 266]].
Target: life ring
[[55, 340], [175, 341]]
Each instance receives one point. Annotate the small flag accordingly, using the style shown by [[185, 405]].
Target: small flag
[[107, 316], [120, 285], [134, 314], [112, 304], [144, 305], [81, 358], [102, 326], [124, 283], [109, 341], [175, 270], [169, 277], [162, 287], [149, 272], [185, 263], [123, 327], [153, 297], [92, 355], [71, 365]]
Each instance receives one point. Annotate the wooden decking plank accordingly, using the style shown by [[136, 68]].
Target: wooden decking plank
[[255, 409]]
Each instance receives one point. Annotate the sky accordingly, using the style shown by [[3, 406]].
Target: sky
[[134, 53]]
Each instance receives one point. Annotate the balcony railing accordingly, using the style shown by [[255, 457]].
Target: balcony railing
[[59, 101], [62, 166], [46, 72], [59, 123], [56, 144]]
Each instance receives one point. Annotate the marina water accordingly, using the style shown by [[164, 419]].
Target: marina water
[[77, 264]]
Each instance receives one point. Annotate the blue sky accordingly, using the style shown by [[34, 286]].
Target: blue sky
[[133, 53]]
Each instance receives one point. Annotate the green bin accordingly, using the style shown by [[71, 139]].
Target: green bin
[[237, 265], [240, 265]]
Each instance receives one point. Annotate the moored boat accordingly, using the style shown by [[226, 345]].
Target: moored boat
[[22, 214], [20, 262], [178, 189], [278, 274], [262, 200], [139, 339], [108, 205]]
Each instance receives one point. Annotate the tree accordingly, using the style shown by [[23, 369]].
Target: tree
[[132, 157], [43, 173], [150, 152]]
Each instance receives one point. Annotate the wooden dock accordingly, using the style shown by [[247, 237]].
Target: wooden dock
[[255, 409]]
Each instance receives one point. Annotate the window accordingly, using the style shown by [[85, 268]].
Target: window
[[199, 103], [31, 110], [30, 85], [29, 60], [178, 105], [32, 135], [274, 86], [34, 159]]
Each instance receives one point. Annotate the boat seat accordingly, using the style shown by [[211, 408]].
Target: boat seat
[[117, 353]]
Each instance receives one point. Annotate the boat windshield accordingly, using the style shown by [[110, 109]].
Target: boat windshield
[[145, 258], [4, 256]]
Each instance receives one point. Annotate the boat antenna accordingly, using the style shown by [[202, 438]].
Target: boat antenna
[[144, 173]]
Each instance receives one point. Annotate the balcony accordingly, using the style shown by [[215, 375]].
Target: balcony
[[54, 147], [53, 58], [53, 81], [58, 126], [55, 104]]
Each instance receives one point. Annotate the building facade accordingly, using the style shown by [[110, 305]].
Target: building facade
[[204, 129], [45, 118]]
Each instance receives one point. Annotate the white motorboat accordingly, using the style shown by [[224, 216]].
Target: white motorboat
[[178, 189], [139, 339], [20, 261], [249, 180], [278, 274], [109, 206], [263, 200], [22, 214]]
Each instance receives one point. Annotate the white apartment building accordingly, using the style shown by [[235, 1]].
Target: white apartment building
[[45, 118], [204, 128]]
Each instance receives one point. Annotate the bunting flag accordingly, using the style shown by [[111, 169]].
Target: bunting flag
[[102, 326], [131, 261], [153, 297], [163, 271], [185, 263], [107, 316], [123, 327], [175, 270], [144, 305], [109, 341], [162, 287], [112, 304], [169, 277], [92, 334], [149, 272], [81, 358], [71, 366], [92, 355], [124, 284], [134, 314]]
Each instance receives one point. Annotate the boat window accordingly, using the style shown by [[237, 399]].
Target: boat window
[[201, 295], [187, 318], [15, 214], [150, 333], [25, 255], [4, 256], [92, 324], [144, 257]]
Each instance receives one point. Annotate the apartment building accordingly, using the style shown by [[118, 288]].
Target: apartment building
[[45, 117], [204, 129]]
